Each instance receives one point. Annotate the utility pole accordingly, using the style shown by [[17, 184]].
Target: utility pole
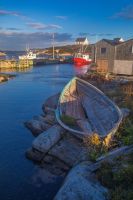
[[95, 49]]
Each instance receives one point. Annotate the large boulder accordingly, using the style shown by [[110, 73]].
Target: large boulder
[[81, 184], [46, 140], [68, 149], [37, 125], [34, 155], [50, 119], [54, 165], [51, 104]]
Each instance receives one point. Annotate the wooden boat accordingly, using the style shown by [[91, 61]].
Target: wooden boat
[[83, 110]]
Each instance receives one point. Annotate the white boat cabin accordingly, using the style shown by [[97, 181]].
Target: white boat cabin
[[83, 56]]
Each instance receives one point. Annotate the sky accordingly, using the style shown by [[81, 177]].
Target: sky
[[33, 22]]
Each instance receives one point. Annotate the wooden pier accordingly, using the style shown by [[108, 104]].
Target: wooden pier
[[15, 64]]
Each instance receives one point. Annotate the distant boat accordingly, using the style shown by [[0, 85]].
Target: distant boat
[[82, 59], [29, 56], [83, 110]]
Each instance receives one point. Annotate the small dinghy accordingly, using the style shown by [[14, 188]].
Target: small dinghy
[[83, 110]]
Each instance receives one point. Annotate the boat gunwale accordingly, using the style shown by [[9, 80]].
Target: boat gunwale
[[81, 133]]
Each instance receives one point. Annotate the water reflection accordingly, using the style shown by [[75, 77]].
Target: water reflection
[[81, 69], [21, 99], [11, 70], [42, 176]]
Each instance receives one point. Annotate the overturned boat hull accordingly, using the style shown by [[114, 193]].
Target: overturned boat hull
[[90, 109]]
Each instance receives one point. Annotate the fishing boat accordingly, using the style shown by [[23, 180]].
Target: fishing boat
[[82, 59], [29, 56], [83, 110]]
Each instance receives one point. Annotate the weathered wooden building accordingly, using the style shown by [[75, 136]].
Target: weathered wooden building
[[123, 62], [114, 56]]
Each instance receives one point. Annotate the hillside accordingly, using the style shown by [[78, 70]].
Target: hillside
[[68, 49]]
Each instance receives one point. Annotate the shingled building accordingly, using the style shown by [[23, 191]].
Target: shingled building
[[114, 56]]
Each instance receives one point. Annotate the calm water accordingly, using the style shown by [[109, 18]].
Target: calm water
[[21, 99]]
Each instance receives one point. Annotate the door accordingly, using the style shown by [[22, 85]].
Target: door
[[102, 66]]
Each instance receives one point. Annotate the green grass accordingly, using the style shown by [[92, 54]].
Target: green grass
[[68, 120], [118, 177]]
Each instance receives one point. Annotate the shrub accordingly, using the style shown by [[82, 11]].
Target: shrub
[[94, 145]]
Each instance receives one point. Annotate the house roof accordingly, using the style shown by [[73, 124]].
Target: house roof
[[80, 39], [112, 42], [118, 39]]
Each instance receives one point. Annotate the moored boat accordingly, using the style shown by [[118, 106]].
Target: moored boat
[[83, 110], [29, 56], [82, 59]]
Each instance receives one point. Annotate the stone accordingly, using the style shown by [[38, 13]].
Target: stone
[[34, 155], [79, 184], [2, 79], [48, 139], [51, 104], [50, 119], [54, 165], [37, 126], [68, 150]]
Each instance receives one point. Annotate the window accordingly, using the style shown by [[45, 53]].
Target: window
[[103, 50]]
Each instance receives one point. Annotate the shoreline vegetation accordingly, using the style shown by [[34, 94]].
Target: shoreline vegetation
[[5, 77], [89, 160]]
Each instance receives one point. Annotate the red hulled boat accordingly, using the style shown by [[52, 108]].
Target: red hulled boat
[[82, 59]]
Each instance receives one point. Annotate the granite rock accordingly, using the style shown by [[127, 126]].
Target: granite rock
[[50, 104], [37, 125], [79, 184], [48, 139]]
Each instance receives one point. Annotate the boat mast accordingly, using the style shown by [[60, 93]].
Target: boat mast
[[27, 47], [53, 47]]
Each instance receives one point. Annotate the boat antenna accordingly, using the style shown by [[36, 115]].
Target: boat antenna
[[53, 46], [27, 47]]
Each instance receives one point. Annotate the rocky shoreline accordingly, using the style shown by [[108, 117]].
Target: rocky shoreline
[[5, 77], [64, 155], [59, 152]]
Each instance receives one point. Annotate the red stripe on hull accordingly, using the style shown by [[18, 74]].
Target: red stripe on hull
[[81, 61]]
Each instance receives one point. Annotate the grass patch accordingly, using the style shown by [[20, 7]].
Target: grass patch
[[118, 178], [68, 120]]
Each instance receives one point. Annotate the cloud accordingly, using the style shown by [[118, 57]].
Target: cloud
[[41, 26], [83, 34], [9, 39], [61, 17], [125, 13], [13, 13], [10, 29]]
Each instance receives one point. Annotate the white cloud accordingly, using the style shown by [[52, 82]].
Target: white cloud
[[125, 13], [41, 26], [17, 40], [61, 17]]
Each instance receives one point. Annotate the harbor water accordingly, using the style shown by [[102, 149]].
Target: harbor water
[[20, 99]]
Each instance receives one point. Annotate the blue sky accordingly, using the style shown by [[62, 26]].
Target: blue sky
[[33, 21]]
